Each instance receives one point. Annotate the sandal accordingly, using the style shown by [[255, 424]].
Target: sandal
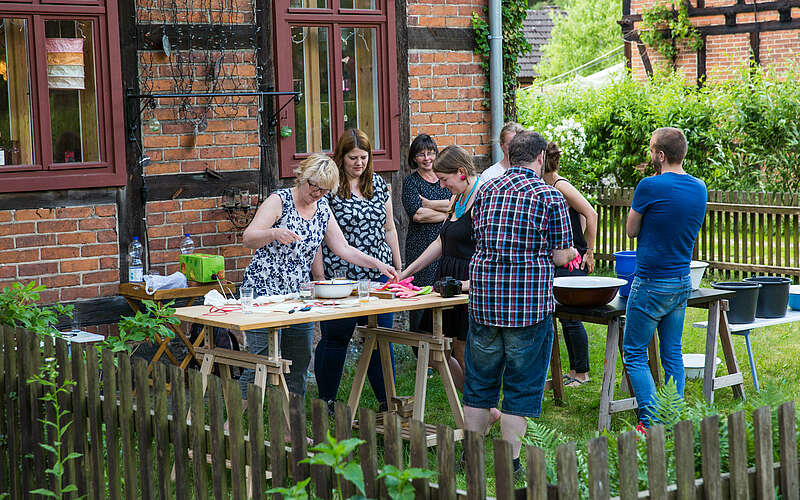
[[574, 382]]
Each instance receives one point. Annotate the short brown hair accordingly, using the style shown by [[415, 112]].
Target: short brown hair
[[671, 142], [525, 148], [451, 159], [508, 129], [351, 139]]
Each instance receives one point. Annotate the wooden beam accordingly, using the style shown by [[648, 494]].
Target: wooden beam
[[205, 36], [56, 199], [755, 45], [198, 185], [702, 11], [441, 38], [266, 72], [701, 63]]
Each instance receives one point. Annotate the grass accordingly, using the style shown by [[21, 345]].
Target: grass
[[776, 359]]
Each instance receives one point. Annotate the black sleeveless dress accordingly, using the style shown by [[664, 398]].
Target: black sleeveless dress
[[458, 246], [578, 240]]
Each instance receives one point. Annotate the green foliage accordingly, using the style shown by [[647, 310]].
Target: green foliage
[[743, 134], [334, 454], [296, 492], [18, 309], [398, 482], [55, 430], [143, 326], [586, 31], [662, 27], [514, 46]]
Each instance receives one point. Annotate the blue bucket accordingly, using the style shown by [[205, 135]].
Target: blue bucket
[[626, 267]]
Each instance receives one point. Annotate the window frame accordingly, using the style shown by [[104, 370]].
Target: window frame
[[335, 18], [110, 170]]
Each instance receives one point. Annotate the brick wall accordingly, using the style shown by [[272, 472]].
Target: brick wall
[[725, 54], [445, 87]]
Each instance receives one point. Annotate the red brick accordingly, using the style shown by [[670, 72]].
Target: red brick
[[72, 266], [13, 256], [100, 277], [97, 250], [108, 291], [6, 243], [183, 216], [199, 203], [233, 164], [215, 215], [73, 212], [104, 223], [49, 296], [78, 238], [200, 228], [35, 240], [459, 81], [167, 167], [183, 153], [58, 226], [61, 252], [234, 251], [198, 165], [251, 151], [163, 206], [61, 280], [76, 293], [158, 243], [245, 125], [162, 257], [8, 271], [459, 106], [213, 240], [109, 262], [106, 236], [459, 128], [167, 230], [160, 141], [420, 70], [5, 216], [35, 214], [231, 138], [216, 152], [38, 269]]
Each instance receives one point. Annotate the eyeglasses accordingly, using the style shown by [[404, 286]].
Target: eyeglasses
[[425, 155], [316, 189]]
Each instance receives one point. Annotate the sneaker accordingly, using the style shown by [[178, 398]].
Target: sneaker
[[519, 474], [331, 407], [383, 407]]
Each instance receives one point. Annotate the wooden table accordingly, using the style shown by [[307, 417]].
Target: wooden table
[[134, 293], [271, 368], [612, 314]]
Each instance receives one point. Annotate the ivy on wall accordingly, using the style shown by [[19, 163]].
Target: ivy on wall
[[514, 46], [663, 26]]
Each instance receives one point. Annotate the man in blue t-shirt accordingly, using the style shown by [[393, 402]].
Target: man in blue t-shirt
[[666, 214]]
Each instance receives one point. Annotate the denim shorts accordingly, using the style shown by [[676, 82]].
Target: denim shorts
[[517, 357]]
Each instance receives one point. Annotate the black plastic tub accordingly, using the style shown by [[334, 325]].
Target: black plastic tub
[[742, 307], [773, 297]]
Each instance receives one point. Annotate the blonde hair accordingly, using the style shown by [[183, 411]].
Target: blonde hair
[[319, 169], [508, 129]]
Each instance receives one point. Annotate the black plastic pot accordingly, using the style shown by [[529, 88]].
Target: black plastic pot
[[773, 298], [742, 307]]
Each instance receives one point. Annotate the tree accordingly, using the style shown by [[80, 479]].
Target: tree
[[588, 30]]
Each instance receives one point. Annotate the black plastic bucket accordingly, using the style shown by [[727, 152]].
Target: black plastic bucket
[[773, 298], [742, 307]]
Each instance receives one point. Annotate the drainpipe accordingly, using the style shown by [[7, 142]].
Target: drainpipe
[[496, 74]]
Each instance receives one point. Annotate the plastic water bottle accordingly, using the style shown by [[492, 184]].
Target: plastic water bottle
[[187, 244], [135, 266]]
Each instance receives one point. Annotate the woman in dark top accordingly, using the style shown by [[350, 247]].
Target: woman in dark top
[[583, 219], [426, 203]]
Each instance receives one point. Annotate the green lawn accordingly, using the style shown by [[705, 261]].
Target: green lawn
[[776, 357]]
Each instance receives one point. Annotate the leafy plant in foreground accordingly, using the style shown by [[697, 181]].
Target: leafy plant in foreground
[[18, 309], [398, 482], [143, 326], [334, 454], [55, 430]]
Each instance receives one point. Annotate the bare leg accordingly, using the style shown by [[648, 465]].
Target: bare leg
[[513, 428], [476, 419]]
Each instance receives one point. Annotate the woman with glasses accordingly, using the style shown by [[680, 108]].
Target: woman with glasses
[[426, 203], [362, 206], [287, 232]]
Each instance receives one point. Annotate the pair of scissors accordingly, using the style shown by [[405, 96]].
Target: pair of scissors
[[302, 309]]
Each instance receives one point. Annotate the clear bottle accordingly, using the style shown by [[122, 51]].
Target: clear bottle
[[135, 266], [187, 244]]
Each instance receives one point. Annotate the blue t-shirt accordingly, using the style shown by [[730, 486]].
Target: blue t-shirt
[[673, 207]]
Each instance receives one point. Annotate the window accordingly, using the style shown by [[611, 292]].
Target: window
[[58, 86], [341, 56]]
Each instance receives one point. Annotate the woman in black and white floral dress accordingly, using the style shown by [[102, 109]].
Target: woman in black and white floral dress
[[287, 230], [362, 207]]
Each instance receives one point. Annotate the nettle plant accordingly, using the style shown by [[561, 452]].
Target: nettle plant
[[143, 326], [19, 309], [663, 26]]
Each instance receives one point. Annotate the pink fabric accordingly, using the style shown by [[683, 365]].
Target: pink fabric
[[65, 45]]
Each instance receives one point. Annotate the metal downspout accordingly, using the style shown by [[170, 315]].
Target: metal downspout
[[496, 74]]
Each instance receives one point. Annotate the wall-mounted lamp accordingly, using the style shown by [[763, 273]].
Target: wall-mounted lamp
[[236, 203]]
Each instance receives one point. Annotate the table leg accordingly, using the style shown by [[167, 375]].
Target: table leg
[[711, 350], [421, 384], [727, 350], [653, 361], [386, 368], [609, 375], [557, 382], [195, 345], [450, 390], [361, 374]]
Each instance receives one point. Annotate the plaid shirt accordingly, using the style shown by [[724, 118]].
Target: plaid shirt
[[518, 221]]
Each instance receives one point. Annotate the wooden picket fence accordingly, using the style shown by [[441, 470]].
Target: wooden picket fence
[[743, 233], [138, 444]]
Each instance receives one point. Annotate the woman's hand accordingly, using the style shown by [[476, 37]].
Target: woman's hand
[[285, 236], [388, 271], [426, 202], [588, 261], [465, 286]]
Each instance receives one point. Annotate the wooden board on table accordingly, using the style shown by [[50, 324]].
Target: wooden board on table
[[405, 432], [264, 317], [137, 291]]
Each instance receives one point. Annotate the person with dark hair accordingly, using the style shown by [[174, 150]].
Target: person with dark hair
[[362, 206], [521, 230], [583, 219], [667, 212], [507, 133], [426, 202]]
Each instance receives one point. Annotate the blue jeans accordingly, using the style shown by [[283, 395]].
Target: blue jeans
[[331, 352], [296, 342], [519, 357], [654, 303]]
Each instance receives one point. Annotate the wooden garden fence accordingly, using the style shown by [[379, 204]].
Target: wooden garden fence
[[136, 443], [743, 233]]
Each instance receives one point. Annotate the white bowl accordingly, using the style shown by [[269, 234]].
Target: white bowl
[[697, 269], [333, 289], [694, 365]]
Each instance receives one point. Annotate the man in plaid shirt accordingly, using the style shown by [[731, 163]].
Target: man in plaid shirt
[[521, 229]]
